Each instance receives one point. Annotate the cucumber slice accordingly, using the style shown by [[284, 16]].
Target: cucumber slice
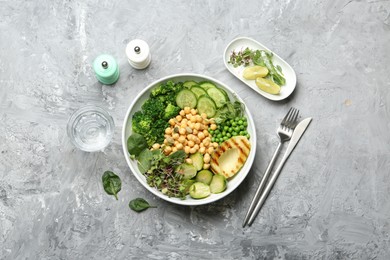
[[189, 83], [218, 96], [197, 160], [206, 85], [218, 184], [204, 176], [207, 105], [187, 170], [199, 190], [186, 98], [198, 91]]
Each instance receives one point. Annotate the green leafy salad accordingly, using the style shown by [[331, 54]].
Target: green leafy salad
[[177, 135]]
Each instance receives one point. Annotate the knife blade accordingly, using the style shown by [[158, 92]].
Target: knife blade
[[298, 132]]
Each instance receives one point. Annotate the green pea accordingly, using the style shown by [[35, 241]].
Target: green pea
[[216, 132], [225, 128], [240, 122], [245, 123], [242, 133], [234, 124], [237, 129], [234, 133], [247, 136], [242, 127], [228, 134], [213, 139], [219, 135], [225, 138]]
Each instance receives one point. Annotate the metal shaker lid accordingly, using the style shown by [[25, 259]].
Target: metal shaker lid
[[137, 51]]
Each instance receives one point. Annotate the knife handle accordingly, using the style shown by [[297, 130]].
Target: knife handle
[[268, 189], [262, 184]]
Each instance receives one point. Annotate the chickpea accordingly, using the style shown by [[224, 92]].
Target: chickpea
[[193, 150], [156, 146], [210, 150], [201, 144], [193, 119], [170, 140], [187, 149], [206, 166], [183, 125], [179, 146], [189, 161], [176, 142], [203, 115], [206, 158], [172, 122], [187, 110], [182, 113], [191, 143], [206, 133], [201, 135], [174, 149], [182, 131], [195, 132], [168, 131], [188, 130], [165, 141], [196, 140], [202, 150], [179, 118], [196, 146], [168, 149], [193, 111], [188, 116], [197, 126], [215, 145], [182, 139], [206, 142], [213, 126], [175, 136], [199, 119]]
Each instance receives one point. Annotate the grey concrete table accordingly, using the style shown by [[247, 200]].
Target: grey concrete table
[[331, 200]]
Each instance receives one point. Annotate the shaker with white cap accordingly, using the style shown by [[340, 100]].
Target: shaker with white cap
[[138, 54]]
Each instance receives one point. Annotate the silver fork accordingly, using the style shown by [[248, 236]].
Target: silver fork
[[285, 130]]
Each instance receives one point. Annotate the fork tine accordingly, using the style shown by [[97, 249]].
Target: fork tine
[[286, 116], [291, 122]]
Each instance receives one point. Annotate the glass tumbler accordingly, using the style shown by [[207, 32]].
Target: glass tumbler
[[90, 128]]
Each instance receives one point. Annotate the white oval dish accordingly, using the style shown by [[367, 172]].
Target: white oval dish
[[136, 106], [240, 44]]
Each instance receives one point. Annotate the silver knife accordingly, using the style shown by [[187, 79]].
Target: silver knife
[[298, 132]]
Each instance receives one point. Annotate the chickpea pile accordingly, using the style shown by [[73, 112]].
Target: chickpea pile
[[189, 132]]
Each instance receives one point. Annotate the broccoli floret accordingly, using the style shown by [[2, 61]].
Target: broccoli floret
[[168, 89], [153, 107], [171, 111], [141, 123]]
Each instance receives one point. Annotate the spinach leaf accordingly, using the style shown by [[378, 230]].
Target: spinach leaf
[[136, 143], [139, 205], [112, 184]]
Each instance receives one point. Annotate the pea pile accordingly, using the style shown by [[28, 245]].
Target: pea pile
[[228, 128]]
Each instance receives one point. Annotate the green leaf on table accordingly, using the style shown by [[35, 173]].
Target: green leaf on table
[[112, 184], [139, 205]]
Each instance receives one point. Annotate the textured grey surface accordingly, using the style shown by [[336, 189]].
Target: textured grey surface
[[331, 200]]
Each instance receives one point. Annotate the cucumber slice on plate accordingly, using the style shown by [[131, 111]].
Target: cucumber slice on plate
[[199, 190], [206, 85], [207, 105], [197, 160], [218, 96], [218, 184], [187, 170], [186, 98], [204, 176], [198, 91], [189, 83]]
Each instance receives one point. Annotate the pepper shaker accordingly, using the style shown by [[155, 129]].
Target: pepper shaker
[[106, 69], [138, 54]]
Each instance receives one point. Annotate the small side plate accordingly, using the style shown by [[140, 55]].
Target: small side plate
[[240, 44]]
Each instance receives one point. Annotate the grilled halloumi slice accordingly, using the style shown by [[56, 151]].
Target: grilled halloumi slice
[[230, 156]]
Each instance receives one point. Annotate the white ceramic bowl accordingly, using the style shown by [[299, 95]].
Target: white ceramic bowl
[[136, 106]]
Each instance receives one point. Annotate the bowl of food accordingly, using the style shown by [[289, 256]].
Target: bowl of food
[[189, 139]]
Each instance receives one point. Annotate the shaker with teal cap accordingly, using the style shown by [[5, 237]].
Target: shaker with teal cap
[[106, 69]]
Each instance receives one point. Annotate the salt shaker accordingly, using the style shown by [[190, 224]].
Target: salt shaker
[[138, 54]]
